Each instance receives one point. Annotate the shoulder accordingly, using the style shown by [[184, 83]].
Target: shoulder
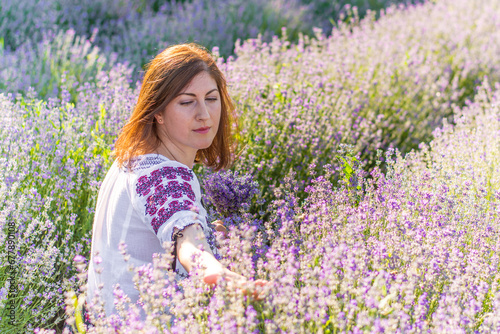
[[166, 192], [156, 171]]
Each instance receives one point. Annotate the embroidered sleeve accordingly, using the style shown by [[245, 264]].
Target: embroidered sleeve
[[167, 198]]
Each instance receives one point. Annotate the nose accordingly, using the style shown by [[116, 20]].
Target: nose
[[202, 112]]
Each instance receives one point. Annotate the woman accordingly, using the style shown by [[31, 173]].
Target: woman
[[151, 195]]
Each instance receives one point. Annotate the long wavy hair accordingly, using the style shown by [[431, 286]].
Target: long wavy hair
[[167, 74]]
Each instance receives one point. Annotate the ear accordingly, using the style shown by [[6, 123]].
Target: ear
[[159, 119]]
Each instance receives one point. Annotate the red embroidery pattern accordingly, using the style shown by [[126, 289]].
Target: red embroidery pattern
[[145, 183], [165, 190], [172, 190], [166, 212]]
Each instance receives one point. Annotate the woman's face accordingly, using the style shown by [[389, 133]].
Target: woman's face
[[191, 120]]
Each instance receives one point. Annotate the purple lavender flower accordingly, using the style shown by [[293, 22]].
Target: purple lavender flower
[[230, 192], [79, 259]]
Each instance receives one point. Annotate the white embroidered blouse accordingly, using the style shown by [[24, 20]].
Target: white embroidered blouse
[[140, 207]]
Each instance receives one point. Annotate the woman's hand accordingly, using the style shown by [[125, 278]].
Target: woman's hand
[[237, 282], [218, 226], [188, 247], [251, 288]]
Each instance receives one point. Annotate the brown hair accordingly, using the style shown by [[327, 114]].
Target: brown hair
[[167, 74]]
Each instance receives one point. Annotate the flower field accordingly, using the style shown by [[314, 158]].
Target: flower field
[[368, 163]]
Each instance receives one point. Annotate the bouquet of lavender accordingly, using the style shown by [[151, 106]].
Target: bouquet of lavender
[[229, 192]]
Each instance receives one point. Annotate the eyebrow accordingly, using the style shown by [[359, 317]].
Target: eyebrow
[[191, 94]]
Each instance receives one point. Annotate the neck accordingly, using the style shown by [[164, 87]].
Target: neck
[[186, 158]]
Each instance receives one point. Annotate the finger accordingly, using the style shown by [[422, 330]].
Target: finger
[[254, 289], [218, 222], [221, 228], [211, 279], [261, 282]]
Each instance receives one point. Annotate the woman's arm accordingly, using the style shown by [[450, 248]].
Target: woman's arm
[[188, 247]]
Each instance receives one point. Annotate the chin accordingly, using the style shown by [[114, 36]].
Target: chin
[[204, 146], [207, 143]]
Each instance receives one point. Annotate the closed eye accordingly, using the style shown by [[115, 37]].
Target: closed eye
[[211, 99], [186, 103]]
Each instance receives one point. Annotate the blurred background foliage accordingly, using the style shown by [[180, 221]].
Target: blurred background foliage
[[137, 30]]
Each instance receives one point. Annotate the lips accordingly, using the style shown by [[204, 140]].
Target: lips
[[202, 130]]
